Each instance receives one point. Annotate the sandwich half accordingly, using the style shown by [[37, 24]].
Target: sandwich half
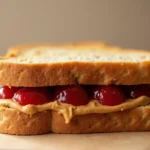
[[74, 88]]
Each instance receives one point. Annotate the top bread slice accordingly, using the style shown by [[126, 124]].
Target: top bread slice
[[76, 63]]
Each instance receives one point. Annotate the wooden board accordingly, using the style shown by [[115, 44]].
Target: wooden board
[[103, 141]]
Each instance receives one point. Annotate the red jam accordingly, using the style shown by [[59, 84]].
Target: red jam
[[109, 95], [35, 96], [74, 94], [140, 90], [7, 92]]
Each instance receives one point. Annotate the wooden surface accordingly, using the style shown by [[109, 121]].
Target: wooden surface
[[107, 141]]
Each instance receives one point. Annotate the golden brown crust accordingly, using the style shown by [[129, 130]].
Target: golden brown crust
[[130, 120], [15, 74], [15, 122], [100, 74], [74, 73]]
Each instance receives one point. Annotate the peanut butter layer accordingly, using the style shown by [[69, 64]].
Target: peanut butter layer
[[69, 111]]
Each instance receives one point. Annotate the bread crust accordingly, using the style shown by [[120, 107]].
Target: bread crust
[[136, 119], [104, 73], [18, 123], [74, 73]]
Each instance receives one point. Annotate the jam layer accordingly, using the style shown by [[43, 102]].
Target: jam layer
[[74, 94]]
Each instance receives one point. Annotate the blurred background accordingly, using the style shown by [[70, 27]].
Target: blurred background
[[125, 23]]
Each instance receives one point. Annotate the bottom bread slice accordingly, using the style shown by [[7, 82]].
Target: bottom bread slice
[[15, 122], [137, 119]]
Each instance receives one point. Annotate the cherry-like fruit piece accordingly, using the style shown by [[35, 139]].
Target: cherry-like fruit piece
[[71, 94], [140, 90], [108, 95], [7, 92], [35, 96]]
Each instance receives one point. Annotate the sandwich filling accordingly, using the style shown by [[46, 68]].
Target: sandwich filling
[[74, 100]]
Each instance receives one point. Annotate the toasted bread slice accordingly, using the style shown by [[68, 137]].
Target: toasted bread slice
[[82, 63], [136, 119], [18, 123]]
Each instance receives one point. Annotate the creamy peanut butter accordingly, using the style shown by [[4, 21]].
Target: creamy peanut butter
[[69, 111]]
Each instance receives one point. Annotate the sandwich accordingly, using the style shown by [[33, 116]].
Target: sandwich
[[74, 88]]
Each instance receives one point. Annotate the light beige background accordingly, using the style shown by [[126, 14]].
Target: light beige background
[[118, 22], [102, 141]]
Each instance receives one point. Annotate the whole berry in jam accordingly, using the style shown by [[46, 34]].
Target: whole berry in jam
[[140, 90], [108, 95], [35, 96], [71, 94], [7, 92]]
